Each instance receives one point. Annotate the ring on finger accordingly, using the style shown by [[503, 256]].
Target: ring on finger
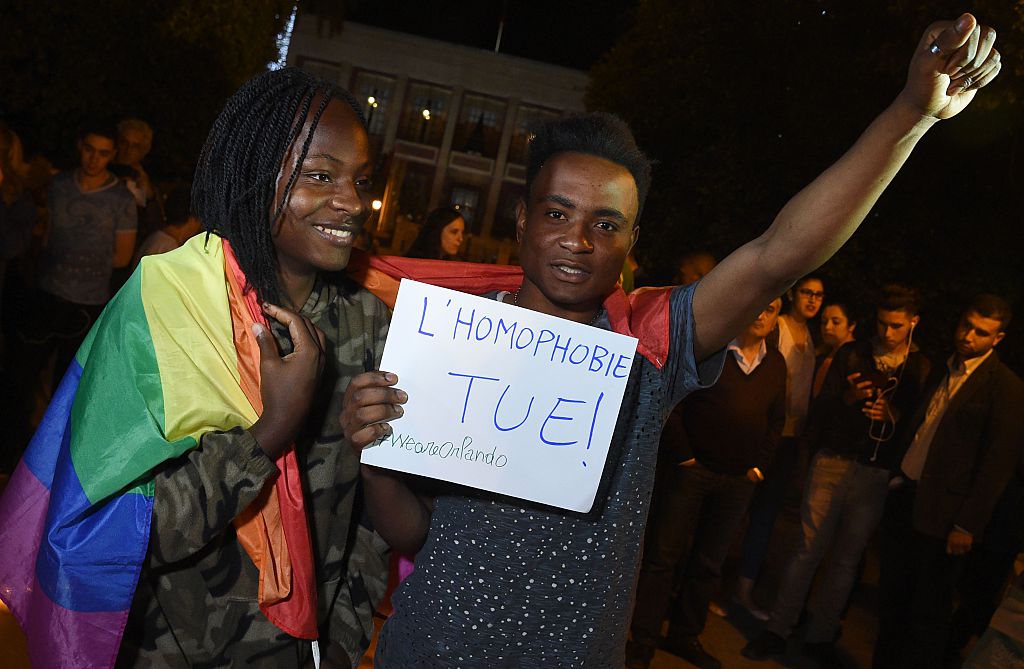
[[966, 83], [934, 49]]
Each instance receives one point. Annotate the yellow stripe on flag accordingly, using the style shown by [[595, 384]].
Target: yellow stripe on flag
[[185, 295]]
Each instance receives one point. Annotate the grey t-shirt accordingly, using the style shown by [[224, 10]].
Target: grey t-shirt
[[500, 583], [77, 262]]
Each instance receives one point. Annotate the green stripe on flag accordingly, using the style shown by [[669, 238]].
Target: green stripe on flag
[[118, 415]]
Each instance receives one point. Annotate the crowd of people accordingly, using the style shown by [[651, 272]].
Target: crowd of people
[[194, 496], [70, 239], [887, 438]]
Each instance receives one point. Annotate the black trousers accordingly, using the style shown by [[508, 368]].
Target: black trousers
[[917, 583], [695, 519], [989, 565]]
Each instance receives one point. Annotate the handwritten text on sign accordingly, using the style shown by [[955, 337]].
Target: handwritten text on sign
[[502, 398]]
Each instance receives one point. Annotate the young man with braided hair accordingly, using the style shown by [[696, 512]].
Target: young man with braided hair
[[499, 583], [208, 397]]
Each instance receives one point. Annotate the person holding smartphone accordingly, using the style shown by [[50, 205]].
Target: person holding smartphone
[[870, 386]]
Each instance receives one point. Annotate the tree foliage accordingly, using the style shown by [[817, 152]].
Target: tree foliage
[[171, 63], [742, 104]]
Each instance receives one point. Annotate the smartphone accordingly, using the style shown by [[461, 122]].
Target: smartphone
[[880, 380]]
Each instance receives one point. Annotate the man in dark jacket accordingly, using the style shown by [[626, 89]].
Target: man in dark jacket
[[963, 450], [722, 451], [870, 391]]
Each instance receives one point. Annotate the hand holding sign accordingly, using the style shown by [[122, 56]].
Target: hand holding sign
[[370, 401], [500, 398]]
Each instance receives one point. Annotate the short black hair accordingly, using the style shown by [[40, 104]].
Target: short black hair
[[236, 178], [809, 277], [597, 134], [843, 303], [992, 306], [788, 303], [900, 297], [99, 127]]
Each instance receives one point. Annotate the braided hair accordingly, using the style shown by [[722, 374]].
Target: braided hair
[[240, 164]]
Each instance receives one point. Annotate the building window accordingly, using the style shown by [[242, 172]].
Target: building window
[[467, 200], [424, 114], [479, 129], [414, 181], [320, 68], [374, 93], [526, 120]]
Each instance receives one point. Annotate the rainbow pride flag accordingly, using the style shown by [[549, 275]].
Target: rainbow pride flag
[[171, 358]]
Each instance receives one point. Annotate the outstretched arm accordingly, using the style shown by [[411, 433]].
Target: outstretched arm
[[952, 61]]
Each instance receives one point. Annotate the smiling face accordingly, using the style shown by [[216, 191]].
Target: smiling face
[[575, 229], [329, 201], [451, 236]]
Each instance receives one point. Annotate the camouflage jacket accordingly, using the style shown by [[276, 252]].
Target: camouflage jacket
[[195, 604]]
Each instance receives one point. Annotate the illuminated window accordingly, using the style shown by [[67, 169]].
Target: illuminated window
[[424, 113], [526, 119], [479, 129], [374, 92]]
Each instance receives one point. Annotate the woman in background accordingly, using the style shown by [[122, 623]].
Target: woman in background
[[440, 237]]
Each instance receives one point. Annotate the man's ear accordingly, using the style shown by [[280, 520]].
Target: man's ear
[[914, 321], [635, 236], [520, 220], [999, 338]]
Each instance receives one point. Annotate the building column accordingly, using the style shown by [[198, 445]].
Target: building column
[[397, 100], [444, 153], [498, 177]]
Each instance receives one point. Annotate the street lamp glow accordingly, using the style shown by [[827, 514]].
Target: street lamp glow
[[376, 205], [426, 114]]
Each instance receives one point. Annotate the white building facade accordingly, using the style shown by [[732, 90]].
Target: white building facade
[[451, 121]]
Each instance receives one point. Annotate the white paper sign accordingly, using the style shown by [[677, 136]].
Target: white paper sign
[[502, 398]]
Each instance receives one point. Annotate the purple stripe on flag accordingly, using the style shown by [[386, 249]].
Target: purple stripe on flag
[[63, 638], [22, 517], [57, 637]]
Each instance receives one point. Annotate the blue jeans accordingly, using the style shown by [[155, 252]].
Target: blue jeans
[[843, 501]]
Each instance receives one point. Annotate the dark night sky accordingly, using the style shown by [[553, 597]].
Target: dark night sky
[[572, 33]]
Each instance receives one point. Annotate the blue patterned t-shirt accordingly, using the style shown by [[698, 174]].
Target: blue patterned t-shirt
[[500, 583]]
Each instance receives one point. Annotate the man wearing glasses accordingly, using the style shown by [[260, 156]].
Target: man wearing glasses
[[870, 386]]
